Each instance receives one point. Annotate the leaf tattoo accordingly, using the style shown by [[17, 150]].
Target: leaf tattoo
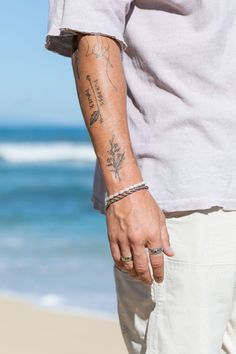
[[94, 117], [115, 158]]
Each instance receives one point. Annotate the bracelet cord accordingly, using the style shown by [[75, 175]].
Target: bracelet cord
[[120, 195], [108, 197]]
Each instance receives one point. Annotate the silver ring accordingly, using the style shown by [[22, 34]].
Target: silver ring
[[155, 250], [126, 259]]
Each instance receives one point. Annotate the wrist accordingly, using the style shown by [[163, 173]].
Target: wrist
[[112, 198], [129, 174]]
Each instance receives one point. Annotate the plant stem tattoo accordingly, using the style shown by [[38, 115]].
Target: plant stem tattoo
[[95, 91], [115, 158], [101, 50]]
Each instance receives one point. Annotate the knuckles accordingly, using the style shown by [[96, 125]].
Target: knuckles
[[136, 240], [157, 265], [141, 270], [128, 266], [116, 258], [113, 238]]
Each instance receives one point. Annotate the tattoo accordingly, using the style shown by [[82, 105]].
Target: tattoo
[[89, 97], [76, 56], [99, 101], [101, 50], [115, 158], [99, 93]]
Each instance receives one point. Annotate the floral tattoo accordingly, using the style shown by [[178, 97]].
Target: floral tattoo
[[115, 158]]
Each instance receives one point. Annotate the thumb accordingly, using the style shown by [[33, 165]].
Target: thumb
[[166, 241]]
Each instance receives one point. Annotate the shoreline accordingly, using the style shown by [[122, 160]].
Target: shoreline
[[28, 328], [42, 303]]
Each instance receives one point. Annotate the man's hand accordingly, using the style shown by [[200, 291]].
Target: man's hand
[[134, 223]]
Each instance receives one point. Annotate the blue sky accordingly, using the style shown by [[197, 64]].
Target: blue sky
[[36, 86]]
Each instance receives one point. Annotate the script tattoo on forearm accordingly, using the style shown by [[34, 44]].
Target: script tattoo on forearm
[[89, 97], [101, 50], [95, 100], [115, 158]]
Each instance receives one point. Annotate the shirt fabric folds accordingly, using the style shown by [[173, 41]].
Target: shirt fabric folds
[[179, 62]]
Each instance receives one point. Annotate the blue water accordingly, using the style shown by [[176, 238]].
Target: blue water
[[53, 244]]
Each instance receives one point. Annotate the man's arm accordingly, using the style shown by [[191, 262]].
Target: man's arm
[[102, 93], [136, 221]]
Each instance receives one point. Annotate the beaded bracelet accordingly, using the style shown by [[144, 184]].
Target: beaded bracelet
[[124, 190], [123, 193]]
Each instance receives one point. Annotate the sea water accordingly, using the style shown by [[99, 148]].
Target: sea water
[[53, 244]]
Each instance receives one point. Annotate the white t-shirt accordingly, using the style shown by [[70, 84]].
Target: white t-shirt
[[179, 59]]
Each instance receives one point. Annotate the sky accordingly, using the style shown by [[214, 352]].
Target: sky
[[36, 86]]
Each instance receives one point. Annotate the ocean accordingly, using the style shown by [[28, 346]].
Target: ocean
[[53, 245]]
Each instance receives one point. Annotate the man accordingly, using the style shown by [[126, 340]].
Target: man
[[156, 81]]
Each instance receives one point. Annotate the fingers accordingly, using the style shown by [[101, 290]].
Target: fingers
[[115, 251], [157, 260], [141, 264], [166, 239], [139, 267], [157, 263], [125, 251]]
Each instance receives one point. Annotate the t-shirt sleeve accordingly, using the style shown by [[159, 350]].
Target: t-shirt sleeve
[[68, 17]]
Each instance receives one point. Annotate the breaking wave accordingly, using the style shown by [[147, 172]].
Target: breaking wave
[[46, 152]]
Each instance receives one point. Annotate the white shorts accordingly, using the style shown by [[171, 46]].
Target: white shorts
[[193, 311]]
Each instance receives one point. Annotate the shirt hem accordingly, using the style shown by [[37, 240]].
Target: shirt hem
[[62, 42], [98, 205]]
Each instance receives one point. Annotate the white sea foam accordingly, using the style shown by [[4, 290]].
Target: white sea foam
[[46, 152], [51, 300], [59, 304]]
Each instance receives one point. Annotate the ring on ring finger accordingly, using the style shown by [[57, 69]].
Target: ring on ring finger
[[153, 251]]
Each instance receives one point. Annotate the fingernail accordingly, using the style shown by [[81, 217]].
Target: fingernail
[[171, 249]]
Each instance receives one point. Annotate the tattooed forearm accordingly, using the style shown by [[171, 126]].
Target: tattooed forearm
[[115, 158], [105, 110], [101, 50], [96, 102]]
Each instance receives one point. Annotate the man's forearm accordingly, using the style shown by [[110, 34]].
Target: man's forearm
[[101, 90]]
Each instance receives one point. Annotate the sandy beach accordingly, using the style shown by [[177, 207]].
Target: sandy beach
[[28, 329]]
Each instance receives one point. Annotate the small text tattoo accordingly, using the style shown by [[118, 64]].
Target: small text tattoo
[[89, 97], [115, 158], [97, 102], [99, 93]]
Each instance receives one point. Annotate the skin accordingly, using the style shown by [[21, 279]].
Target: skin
[[136, 221]]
